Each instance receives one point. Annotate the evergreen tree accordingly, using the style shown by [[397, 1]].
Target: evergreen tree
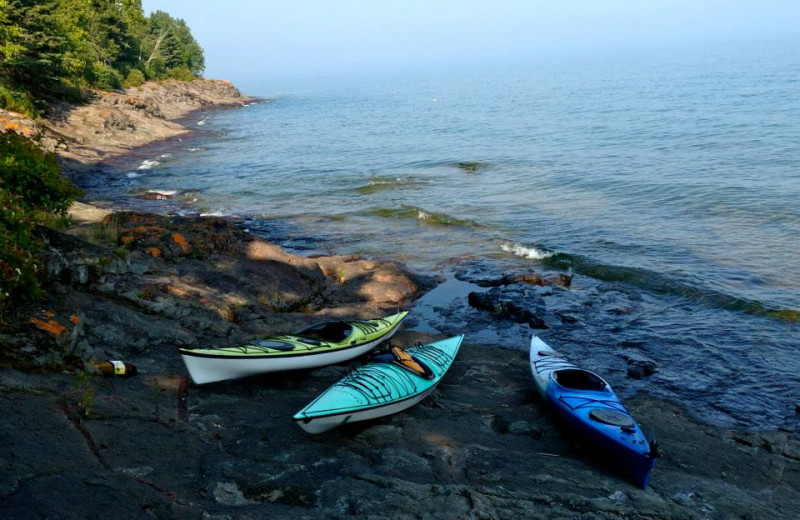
[[50, 48]]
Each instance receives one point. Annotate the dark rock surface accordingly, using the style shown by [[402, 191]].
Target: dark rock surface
[[481, 446], [498, 303]]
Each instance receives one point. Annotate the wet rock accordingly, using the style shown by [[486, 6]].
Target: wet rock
[[523, 428], [381, 434], [639, 366], [79, 274], [55, 264], [561, 279], [494, 303], [229, 494]]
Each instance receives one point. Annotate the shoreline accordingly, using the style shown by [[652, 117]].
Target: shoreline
[[486, 450]]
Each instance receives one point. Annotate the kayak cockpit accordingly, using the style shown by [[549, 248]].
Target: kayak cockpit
[[330, 332], [577, 379]]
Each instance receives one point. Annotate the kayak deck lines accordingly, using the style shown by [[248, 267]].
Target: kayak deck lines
[[382, 387], [616, 405], [382, 383], [322, 344]]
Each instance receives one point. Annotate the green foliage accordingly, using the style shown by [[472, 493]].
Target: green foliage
[[169, 45], [83, 393], [16, 101], [180, 74], [135, 79], [50, 47], [106, 78], [31, 191]]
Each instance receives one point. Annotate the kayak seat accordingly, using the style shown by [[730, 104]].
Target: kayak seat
[[577, 379], [332, 332], [408, 362]]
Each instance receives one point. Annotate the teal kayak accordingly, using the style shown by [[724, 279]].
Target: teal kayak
[[386, 385]]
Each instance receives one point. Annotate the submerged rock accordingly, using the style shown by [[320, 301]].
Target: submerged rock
[[494, 302], [561, 279], [471, 166]]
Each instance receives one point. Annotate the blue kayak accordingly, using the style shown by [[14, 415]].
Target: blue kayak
[[591, 409]]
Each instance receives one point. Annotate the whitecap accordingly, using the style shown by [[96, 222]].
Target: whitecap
[[423, 215], [133, 175], [195, 149], [147, 164], [201, 122], [215, 213], [531, 252], [166, 155]]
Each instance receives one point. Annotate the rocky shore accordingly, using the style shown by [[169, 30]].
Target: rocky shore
[[137, 286], [111, 124]]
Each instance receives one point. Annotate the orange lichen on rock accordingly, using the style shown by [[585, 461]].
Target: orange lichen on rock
[[49, 314], [126, 239], [138, 229], [51, 326], [74, 319], [181, 241], [177, 291], [153, 251]]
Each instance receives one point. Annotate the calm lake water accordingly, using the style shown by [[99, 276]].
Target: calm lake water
[[668, 184]]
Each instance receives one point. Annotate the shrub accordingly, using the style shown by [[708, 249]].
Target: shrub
[[135, 79], [106, 78], [181, 74], [31, 191], [17, 101]]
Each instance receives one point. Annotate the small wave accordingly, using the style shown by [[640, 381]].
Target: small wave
[[663, 284], [159, 194], [148, 164], [215, 213], [530, 252], [423, 216], [165, 155], [195, 149], [379, 184], [201, 122], [133, 175]]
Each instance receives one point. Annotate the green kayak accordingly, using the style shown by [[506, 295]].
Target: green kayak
[[319, 345]]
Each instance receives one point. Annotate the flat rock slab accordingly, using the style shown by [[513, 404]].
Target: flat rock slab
[[479, 447]]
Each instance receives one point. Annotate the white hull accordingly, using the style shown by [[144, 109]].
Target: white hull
[[544, 361], [212, 369], [323, 424]]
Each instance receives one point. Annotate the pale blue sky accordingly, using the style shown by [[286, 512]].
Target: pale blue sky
[[250, 39]]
